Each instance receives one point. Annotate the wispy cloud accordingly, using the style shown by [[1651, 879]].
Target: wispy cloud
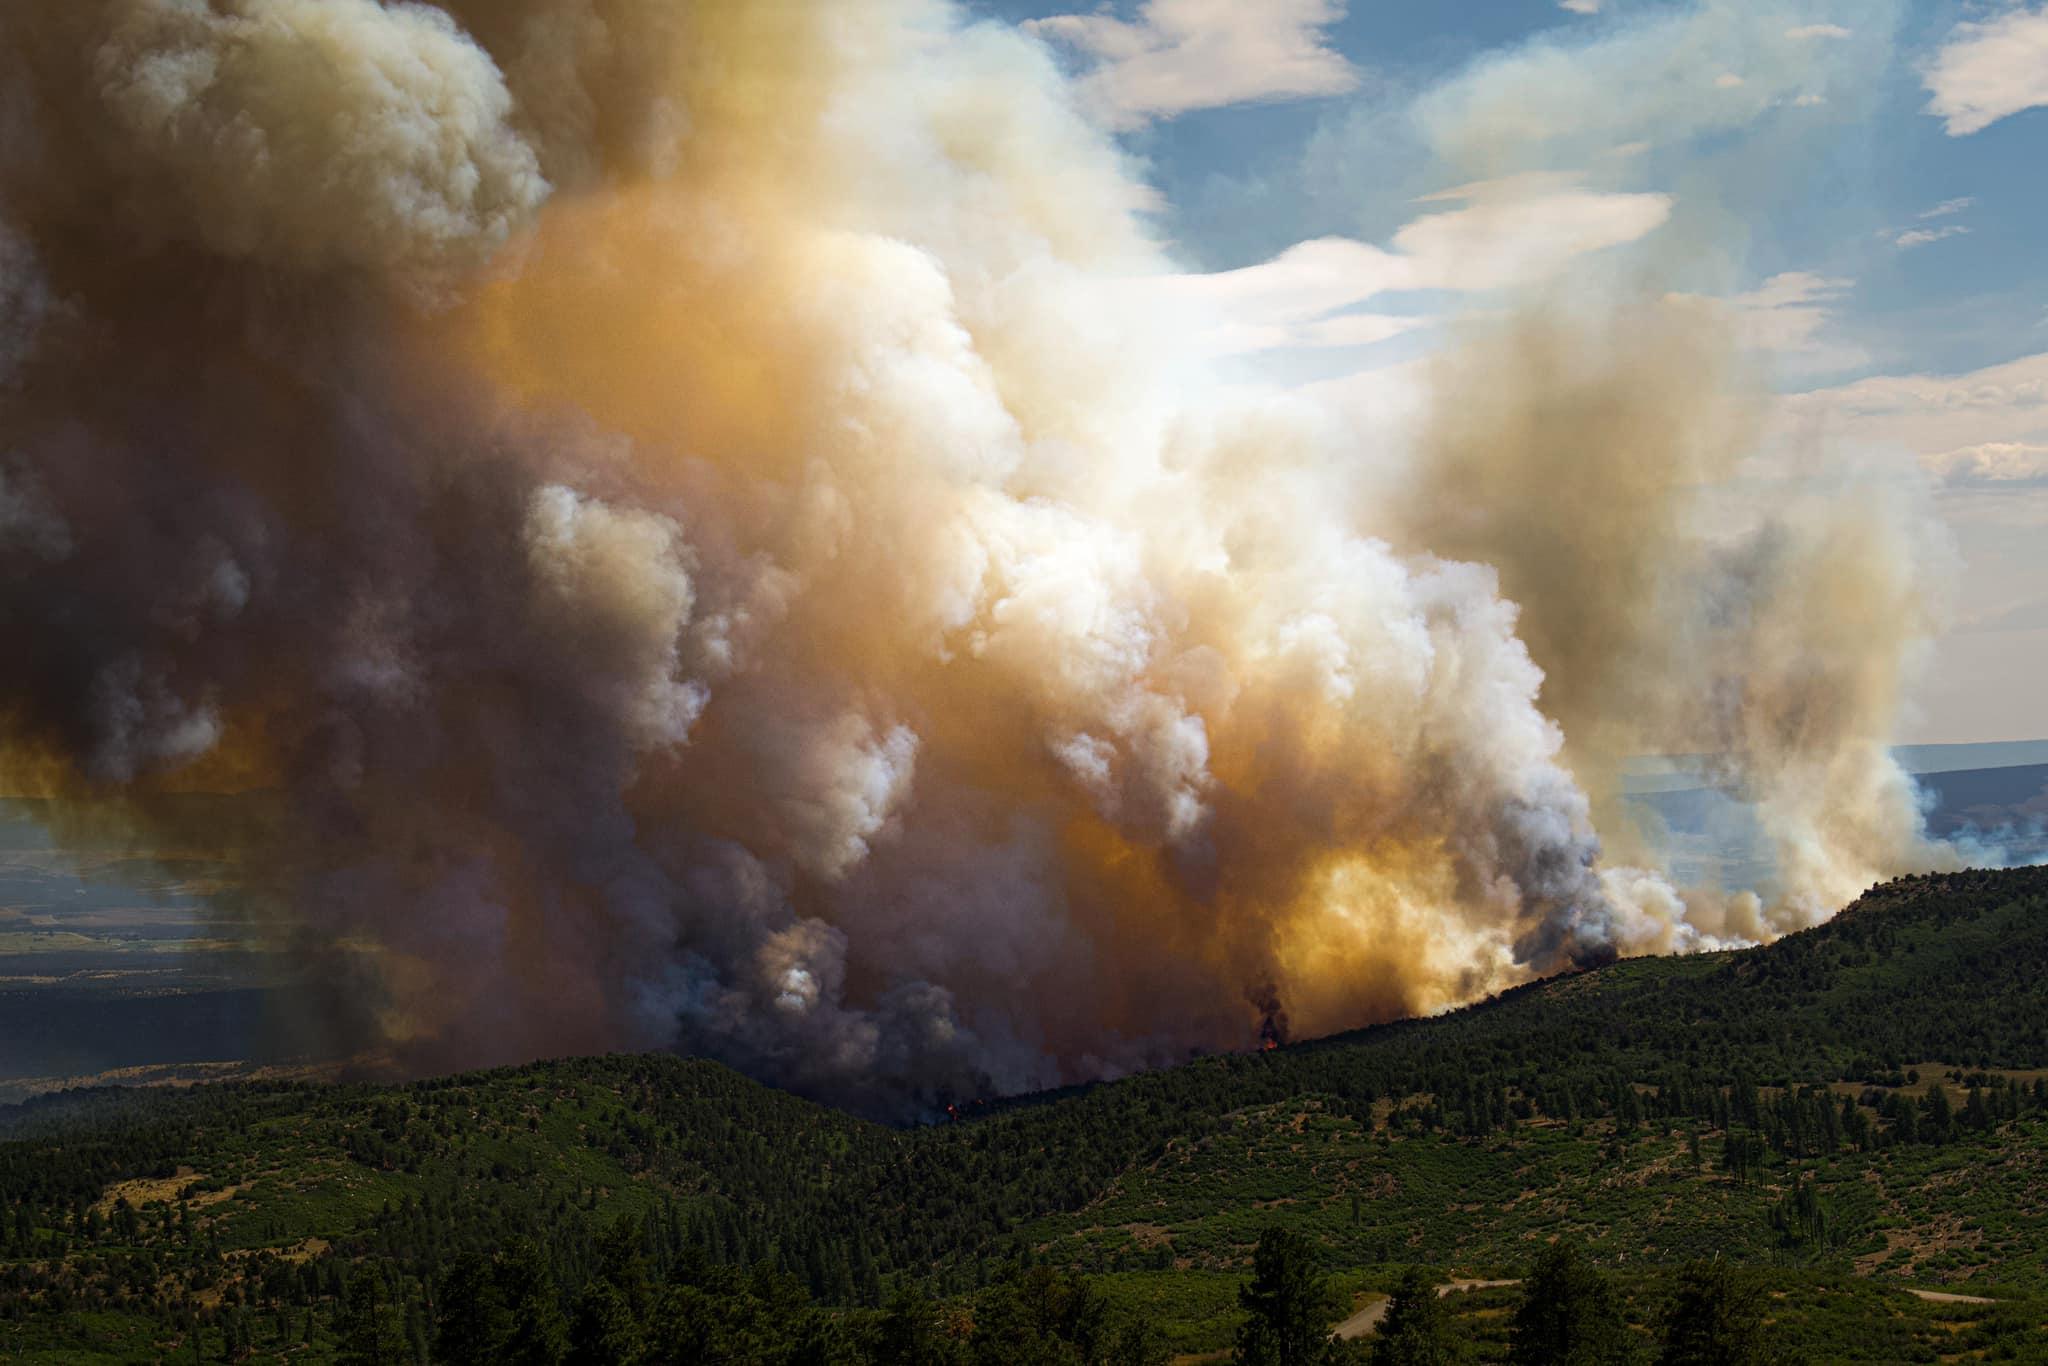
[[1920, 237], [1508, 233], [1181, 55], [1905, 239], [1580, 6], [1522, 229], [1990, 70], [1806, 32], [1788, 315], [1668, 76]]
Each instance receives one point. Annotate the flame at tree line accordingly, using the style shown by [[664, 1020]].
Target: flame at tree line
[[704, 531]]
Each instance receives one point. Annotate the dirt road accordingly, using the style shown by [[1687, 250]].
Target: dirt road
[[1943, 1297], [1367, 1320]]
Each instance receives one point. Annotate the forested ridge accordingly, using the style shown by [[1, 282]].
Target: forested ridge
[[1771, 1087]]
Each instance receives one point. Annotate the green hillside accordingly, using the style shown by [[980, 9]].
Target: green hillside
[[1852, 1113]]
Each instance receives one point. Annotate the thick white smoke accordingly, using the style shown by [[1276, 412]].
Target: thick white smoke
[[671, 514]]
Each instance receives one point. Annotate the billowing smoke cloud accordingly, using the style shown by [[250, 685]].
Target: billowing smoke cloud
[[1681, 600], [663, 503]]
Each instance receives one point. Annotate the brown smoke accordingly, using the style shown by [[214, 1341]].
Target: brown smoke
[[661, 502], [1681, 601]]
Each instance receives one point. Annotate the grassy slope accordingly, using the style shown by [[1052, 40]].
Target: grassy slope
[[1971, 1216]]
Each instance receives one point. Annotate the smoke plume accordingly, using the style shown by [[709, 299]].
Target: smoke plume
[[665, 504]]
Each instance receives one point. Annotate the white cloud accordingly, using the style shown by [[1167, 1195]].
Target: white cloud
[[1982, 437], [1521, 230], [1990, 70], [1950, 206], [1808, 31], [1787, 315], [1522, 185], [1518, 231], [1304, 326], [1580, 6], [1920, 237], [1809, 101], [1994, 462], [1308, 280], [1985, 428], [1179, 55], [1728, 80]]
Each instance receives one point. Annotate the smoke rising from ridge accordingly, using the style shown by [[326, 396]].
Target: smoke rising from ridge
[[668, 505]]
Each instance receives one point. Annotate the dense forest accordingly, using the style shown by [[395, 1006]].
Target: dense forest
[[1805, 1107]]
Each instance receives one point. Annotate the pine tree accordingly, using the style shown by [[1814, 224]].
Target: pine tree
[[368, 1335], [613, 1310], [1416, 1330], [1285, 1303], [910, 1333], [1715, 1319], [540, 1332], [475, 1322], [1568, 1315], [1940, 1115], [1801, 1216], [416, 1332], [1137, 1344]]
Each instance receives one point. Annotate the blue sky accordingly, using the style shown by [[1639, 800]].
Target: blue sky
[[1858, 184]]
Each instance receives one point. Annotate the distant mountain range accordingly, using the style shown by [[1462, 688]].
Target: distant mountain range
[[1992, 797]]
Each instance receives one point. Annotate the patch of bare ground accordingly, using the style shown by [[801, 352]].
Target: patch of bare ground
[[298, 1254], [1932, 1072], [147, 1190], [176, 1076]]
